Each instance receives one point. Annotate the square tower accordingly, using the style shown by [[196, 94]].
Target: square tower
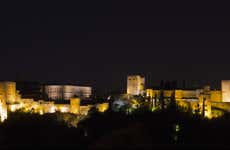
[[225, 89], [135, 85]]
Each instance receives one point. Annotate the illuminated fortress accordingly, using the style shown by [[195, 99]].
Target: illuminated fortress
[[11, 100], [210, 103], [213, 103]]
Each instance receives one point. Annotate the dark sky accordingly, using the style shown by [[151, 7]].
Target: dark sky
[[100, 43]]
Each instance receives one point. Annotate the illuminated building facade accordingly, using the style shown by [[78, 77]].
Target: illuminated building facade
[[225, 88], [207, 102], [150, 93], [102, 107], [47, 107], [12, 100], [54, 92], [7, 96], [84, 110], [9, 89], [3, 107], [66, 92], [75, 105], [63, 108], [135, 85], [179, 93], [83, 91]]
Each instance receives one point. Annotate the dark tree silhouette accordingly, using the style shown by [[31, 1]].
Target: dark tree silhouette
[[162, 84], [203, 107], [161, 99], [155, 101], [172, 105]]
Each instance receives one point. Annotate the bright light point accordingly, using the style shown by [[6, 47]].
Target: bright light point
[[12, 108], [153, 109], [3, 114], [63, 109], [52, 110], [103, 107], [41, 112], [177, 128]]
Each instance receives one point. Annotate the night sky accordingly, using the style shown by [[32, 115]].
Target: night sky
[[100, 43]]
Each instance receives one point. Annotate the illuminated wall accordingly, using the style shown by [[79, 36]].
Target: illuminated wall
[[219, 108], [27, 104], [216, 113], [47, 106], [102, 107], [199, 92], [64, 108], [189, 94], [183, 104], [225, 106], [178, 94], [3, 111], [85, 109], [36, 107], [58, 92], [216, 96], [83, 91], [14, 107], [18, 97], [168, 93], [3, 107], [75, 105], [196, 106], [135, 85], [2, 93], [9, 90], [150, 93], [208, 109], [142, 85], [69, 91], [54, 92], [225, 88]]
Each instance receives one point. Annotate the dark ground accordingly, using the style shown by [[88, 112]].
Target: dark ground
[[115, 131]]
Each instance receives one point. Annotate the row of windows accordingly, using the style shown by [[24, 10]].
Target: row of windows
[[78, 92]]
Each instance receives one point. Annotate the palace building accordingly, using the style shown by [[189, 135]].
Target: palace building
[[62, 98], [66, 92], [212, 102]]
